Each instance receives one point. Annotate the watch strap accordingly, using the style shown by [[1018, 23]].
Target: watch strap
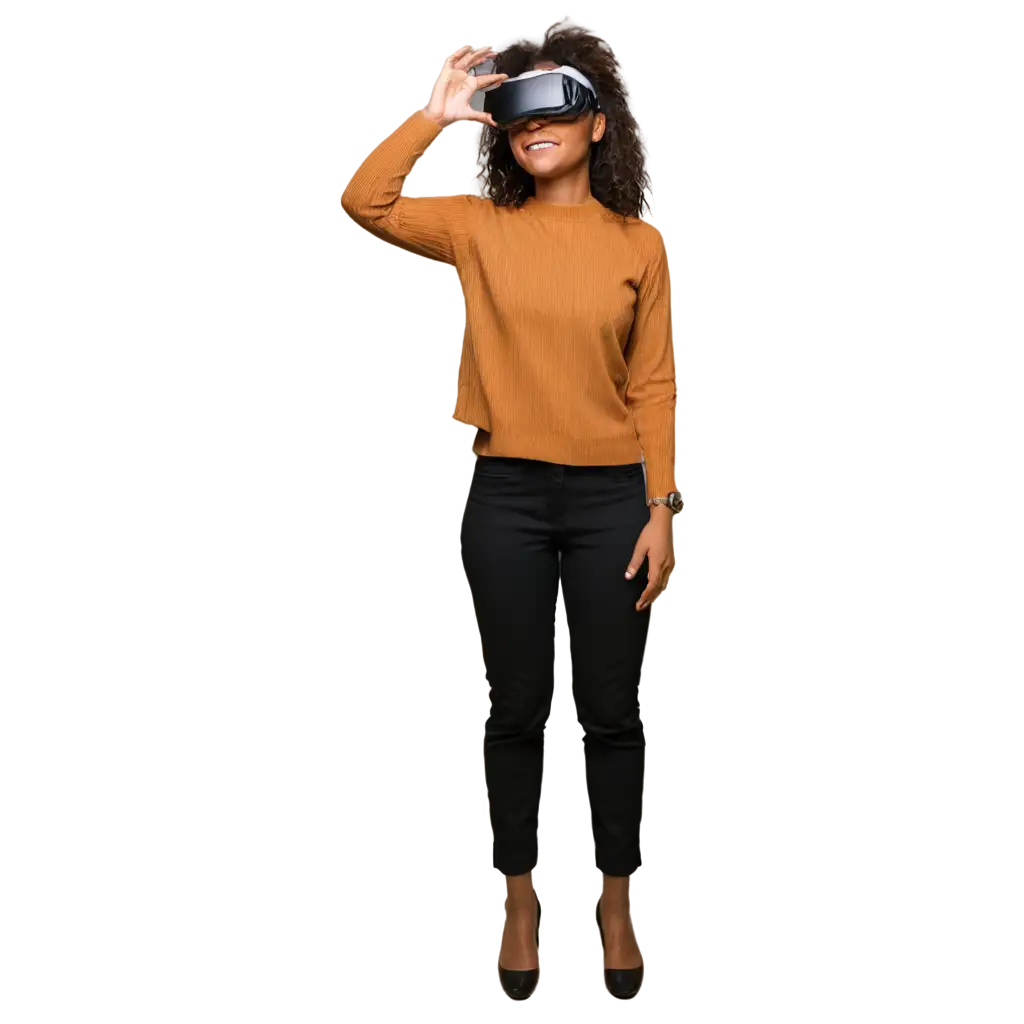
[[667, 500]]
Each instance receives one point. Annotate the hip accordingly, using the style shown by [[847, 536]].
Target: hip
[[558, 494]]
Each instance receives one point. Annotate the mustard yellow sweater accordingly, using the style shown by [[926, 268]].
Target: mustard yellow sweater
[[567, 351]]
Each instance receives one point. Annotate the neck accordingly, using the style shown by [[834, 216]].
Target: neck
[[570, 189]]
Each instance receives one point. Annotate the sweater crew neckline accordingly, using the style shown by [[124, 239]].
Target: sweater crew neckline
[[590, 209]]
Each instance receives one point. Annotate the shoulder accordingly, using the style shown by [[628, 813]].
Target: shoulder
[[649, 238], [483, 213], [484, 207], [643, 238], [463, 213], [477, 209]]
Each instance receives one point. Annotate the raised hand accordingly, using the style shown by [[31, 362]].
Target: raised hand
[[449, 100]]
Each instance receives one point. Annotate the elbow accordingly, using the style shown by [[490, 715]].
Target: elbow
[[352, 215], [352, 202], [358, 201], [361, 206]]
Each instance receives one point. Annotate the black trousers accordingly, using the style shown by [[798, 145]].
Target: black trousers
[[528, 524]]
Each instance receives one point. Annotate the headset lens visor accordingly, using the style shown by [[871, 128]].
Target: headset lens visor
[[552, 97]]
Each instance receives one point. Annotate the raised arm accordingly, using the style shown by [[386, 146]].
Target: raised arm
[[373, 193], [651, 390], [373, 198]]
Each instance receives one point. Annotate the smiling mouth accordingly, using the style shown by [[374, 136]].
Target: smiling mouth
[[535, 147]]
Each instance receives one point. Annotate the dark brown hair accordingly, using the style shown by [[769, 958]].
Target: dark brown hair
[[618, 178]]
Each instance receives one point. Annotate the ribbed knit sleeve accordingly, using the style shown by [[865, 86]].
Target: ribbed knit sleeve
[[427, 226], [651, 387]]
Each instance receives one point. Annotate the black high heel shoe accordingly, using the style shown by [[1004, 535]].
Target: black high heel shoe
[[622, 983], [520, 984]]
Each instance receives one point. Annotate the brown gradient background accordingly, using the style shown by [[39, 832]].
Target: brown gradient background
[[238, 731]]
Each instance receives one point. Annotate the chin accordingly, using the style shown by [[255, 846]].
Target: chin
[[546, 168]]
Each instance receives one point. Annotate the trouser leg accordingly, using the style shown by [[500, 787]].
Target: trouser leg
[[511, 562], [605, 510]]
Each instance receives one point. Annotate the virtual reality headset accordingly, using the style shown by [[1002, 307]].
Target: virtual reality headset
[[559, 94]]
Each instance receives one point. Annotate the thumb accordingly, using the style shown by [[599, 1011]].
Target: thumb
[[483, 118], [637, 560]]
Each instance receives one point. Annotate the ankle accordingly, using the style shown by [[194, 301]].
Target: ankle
[[519, 893], [613, 907], [518, 914]]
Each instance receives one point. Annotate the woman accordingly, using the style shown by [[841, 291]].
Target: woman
[[567, 372]]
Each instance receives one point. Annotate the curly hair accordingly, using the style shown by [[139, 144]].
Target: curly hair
[[618, 176]]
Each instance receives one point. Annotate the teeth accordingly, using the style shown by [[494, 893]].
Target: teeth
[[539, 145]]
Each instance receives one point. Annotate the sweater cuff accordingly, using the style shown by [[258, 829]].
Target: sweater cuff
[[660, 477], [420, 128]]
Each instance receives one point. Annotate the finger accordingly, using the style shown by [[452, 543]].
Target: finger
[[470, 55], [655, 578], [482, 80], [454, 60], [636, 560], [482, 118], [646, 597]]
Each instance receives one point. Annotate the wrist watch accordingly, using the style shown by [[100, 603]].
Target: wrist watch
[[673, 499]]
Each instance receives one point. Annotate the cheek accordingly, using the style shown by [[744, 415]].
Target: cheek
[[576, 144], [576, 150], [513, 145]]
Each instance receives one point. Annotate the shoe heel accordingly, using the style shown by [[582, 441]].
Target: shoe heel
[[596, 931]]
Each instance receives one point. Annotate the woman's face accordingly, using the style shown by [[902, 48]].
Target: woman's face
[[572, 140]]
